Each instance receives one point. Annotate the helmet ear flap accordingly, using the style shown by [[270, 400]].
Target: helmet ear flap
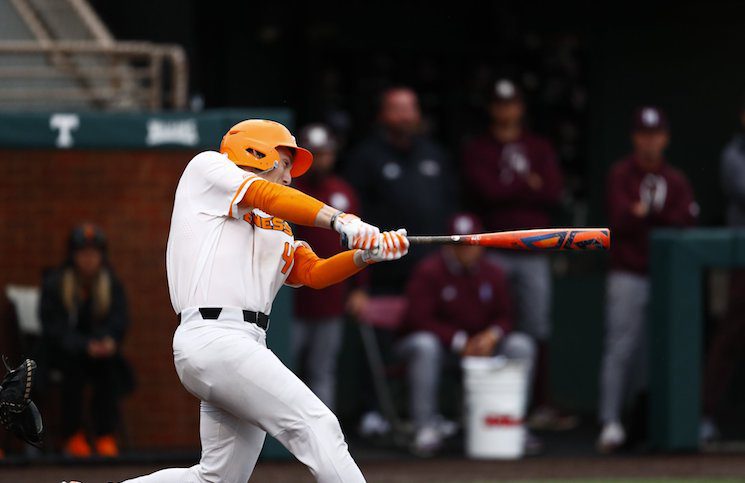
[[228, 151]]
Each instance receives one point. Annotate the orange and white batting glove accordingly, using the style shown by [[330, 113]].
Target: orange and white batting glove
[[392, 246], [354, 232]]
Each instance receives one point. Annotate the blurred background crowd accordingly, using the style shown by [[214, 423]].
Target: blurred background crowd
[[498, 116]]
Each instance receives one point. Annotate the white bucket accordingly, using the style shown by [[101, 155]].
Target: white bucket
[[495, 392]]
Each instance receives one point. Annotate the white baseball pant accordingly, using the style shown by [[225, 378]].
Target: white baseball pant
[[247, 392]]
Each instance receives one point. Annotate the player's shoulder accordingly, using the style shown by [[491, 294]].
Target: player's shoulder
[[206, 158]]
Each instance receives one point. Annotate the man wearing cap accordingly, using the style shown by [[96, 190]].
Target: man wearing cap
[[513, 181], [459, 305], [84, 319], [318, 326], [644, 192]]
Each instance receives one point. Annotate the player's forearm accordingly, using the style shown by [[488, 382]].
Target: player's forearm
[[326, 272], [288, 203], [323, 218]]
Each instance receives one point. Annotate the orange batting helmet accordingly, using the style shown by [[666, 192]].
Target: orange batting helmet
[[254, 143]]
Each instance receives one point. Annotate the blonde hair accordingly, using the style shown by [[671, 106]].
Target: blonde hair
[[72, 293]]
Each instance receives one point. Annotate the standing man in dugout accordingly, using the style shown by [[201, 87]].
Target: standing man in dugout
[[318, 326], [644, 192], [230, 250], [513, 181]]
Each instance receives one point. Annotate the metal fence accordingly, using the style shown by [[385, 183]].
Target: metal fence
[[115, 76]]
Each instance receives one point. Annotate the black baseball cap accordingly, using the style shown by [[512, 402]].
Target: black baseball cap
[[85, 236]]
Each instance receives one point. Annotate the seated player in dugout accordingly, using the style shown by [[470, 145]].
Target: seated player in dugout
[[230, 249], [84, 319], [459, 305]]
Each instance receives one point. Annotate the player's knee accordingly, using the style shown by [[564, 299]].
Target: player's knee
[[201, 474], [618, 354], [425, 345], [329, 425], [520, 346]]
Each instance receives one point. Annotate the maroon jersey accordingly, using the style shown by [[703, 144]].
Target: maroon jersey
[[444, 298], [496, 177], [330, 301], [670, 199]]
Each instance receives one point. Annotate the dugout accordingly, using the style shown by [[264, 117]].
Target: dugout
[[121, 170]]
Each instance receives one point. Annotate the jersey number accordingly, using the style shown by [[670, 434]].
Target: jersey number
[[287, 255]]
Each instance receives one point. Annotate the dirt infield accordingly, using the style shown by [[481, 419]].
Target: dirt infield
[[682, 467]]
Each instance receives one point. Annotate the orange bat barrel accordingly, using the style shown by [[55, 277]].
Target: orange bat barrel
[[543, 239]]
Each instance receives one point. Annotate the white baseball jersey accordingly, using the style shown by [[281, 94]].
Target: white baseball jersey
[[219, 254]]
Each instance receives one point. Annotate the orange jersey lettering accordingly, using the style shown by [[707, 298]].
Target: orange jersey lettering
[[268, 223]]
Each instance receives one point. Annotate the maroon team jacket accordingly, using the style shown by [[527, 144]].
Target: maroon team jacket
[[330, 301], [671, 202], [496, 181], [444, 298]]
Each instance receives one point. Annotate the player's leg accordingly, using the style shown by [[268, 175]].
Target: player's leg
[[254, 385], [532, 296], [626, 301], [323, 352], [532, 279], [73, 403], [423, 354], [520, 347], [725, 348], [230, 449], [105, 405]]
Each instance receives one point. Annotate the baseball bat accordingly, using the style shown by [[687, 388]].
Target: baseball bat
[[543, 239]]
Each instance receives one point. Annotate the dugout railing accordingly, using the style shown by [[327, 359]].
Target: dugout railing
[[679, 259]]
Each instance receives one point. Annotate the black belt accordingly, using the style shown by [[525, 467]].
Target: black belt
[[212, 313]]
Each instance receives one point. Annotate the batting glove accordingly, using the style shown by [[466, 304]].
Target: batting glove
[[355, 233], [392, 246]]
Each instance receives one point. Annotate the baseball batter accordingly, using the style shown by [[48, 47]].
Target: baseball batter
[[230, 250]]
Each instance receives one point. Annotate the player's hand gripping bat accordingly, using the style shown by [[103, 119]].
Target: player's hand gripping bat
[[544, 239]]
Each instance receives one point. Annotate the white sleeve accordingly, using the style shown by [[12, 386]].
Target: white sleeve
[[218, 185]]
